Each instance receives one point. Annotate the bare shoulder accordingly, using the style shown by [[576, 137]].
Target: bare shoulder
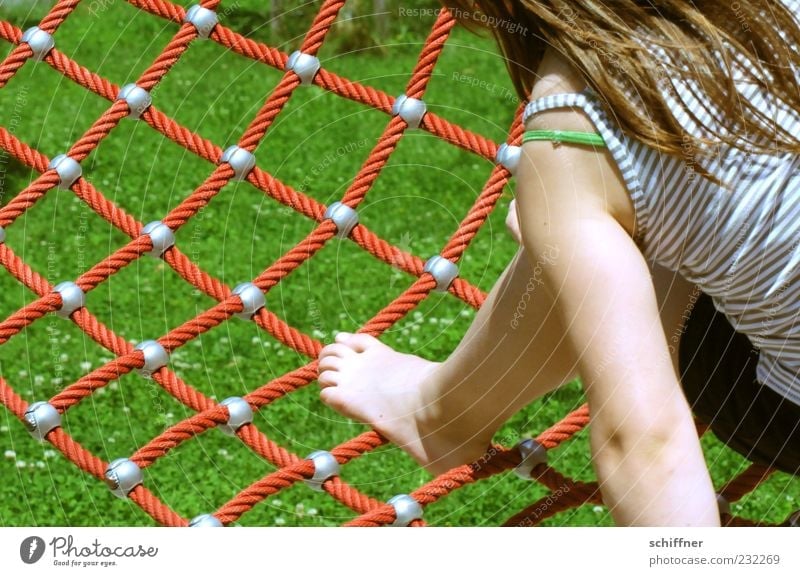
[[557, 76], [594, 177]]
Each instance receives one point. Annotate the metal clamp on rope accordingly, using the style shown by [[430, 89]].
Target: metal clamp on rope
[[442, 270], [202, 19], [412, 110], [532, 454], [205, 521], [161, 236], [252, 298], [325, 466], [155, 357], [406, 509], [240, 160], [40, 42], [122, 476], [72, 298], [67, 168], [137, 98], [508, 156], [239, 414], [304, 65], [343, 216], [40, 419]]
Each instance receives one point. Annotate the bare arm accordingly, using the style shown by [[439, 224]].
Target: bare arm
[[645, 448]]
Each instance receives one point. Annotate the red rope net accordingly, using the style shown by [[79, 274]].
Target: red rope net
[[564, 492]]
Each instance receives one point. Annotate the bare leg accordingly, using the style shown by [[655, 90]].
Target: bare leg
[[515, 351], [622, 462], [446, 414]]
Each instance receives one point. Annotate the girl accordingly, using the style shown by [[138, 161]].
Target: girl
[[660, 160]]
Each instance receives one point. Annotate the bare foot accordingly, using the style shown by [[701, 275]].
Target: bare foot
[[395, 394]]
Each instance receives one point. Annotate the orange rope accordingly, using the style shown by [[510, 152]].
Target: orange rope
[[565, 493]]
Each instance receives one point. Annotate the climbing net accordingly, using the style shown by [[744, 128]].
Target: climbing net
[[322, 470]]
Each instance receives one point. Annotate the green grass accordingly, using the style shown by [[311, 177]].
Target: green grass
[[417, 203]]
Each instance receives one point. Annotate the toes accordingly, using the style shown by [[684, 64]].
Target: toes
[[331, 397], [335, 351], [333, 363], [343, 338], [357, 342], [336, 398], [329, 379]]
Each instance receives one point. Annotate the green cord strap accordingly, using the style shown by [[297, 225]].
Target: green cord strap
[[568, 136]]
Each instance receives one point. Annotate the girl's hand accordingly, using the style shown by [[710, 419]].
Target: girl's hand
[[512, 222]]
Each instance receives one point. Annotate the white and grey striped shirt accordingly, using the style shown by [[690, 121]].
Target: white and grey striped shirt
[[738, 243]]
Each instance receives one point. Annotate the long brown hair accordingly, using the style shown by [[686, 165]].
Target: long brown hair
[[615, 45]]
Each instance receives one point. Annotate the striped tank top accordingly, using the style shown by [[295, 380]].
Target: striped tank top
[[738, 243]]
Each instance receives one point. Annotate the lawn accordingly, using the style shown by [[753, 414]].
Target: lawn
[[316, 145]]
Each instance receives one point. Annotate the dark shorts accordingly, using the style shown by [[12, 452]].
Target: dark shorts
[[718, 368]]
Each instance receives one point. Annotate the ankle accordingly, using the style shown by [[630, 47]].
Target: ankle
[[432, 408], [449, 410]]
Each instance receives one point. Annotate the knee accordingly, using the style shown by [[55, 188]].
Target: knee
[[643, 437]]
